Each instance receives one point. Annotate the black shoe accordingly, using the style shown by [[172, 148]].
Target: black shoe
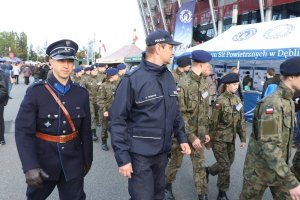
[[202, 197], [222, 195], [95, 137], [2, 143], [207, 174], [104, 147]]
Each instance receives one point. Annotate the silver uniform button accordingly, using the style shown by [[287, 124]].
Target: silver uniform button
[[64, 122], [64, 131], [78, 116], [62, 148], [49, 116], [64, 102]]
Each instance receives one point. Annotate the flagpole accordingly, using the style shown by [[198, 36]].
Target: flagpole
[[162, 15], [150, 13], [144, 17]]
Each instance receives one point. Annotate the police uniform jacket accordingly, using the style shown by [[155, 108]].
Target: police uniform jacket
[[40, 112], [145, 113], [269, 147]]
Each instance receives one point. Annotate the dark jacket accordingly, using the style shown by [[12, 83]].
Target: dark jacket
[[40, 112], [145, 113], [3, 89]]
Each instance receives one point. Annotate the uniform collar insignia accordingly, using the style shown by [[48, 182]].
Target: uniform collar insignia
[[47, 124]]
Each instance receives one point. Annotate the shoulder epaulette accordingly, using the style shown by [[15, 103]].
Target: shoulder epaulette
[[39, 82], [132, 70]]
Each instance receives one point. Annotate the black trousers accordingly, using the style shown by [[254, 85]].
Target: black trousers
[[2, 123], [148, 178], [71, 190]]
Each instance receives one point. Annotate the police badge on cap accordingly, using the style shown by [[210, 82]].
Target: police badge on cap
[[62, 49]]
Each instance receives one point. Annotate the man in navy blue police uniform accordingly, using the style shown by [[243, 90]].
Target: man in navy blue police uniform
[[143, 116], [55, 148]]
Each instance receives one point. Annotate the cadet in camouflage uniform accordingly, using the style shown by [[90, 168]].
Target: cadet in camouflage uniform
[[266, 163], [193, 97], [227, 119], [104, 101], [183, 66], [91, 83], [101, 75], [77, 76]]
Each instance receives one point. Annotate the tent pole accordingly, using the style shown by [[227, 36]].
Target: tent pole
[[261, 8], [179, 3], [151, 17], [162, 15], [144, 18], [213, 16]]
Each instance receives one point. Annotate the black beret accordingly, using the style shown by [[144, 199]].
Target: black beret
[[183, 61], [201, 56], [160, 36], [230, 78], [62, 49], [290, 67]]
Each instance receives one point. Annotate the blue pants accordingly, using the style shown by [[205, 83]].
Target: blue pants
[[296, 138], [148, 178], [71, 190]]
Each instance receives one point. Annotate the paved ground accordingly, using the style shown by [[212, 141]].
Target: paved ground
[[103, 181]]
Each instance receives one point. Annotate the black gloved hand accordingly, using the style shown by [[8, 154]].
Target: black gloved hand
[[87, 168], [34, 177]]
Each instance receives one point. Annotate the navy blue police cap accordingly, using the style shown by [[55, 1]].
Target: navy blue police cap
[[121, 66], [62, 49], [94, 66], [77, 69], [112, 71], [160, 36], [201, 56], [230, 78], [101, 64], [183, 61], [87, 69], [290, 67]]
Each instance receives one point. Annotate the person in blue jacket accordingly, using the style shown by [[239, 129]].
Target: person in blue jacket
[[55, 148], [143, 116]]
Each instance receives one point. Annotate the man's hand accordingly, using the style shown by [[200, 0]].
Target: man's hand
[[242, 145], [185, 148], [126, 170], [34, 177], [295, 193], [207, 139], [197, 144], [105, 114]]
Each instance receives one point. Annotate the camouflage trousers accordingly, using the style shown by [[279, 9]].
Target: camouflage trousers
[[296, 164], [174, 162], [224, 153], [254, 191], [104, 128], [198, 162], [94, 109]]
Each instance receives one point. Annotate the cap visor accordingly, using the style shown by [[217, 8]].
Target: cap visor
[[174, 43], [62, 57]]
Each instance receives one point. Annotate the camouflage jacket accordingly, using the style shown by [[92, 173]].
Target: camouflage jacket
[[270, 142], [178, 75], [92, 85], [193, 100], [227, 119], [106, 95]]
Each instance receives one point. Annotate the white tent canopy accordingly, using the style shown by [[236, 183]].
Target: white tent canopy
[[255, 43]]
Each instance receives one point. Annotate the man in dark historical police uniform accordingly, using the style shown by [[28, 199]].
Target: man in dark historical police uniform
[[53, 136]]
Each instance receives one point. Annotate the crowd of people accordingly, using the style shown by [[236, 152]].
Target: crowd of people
[[154, 117]]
